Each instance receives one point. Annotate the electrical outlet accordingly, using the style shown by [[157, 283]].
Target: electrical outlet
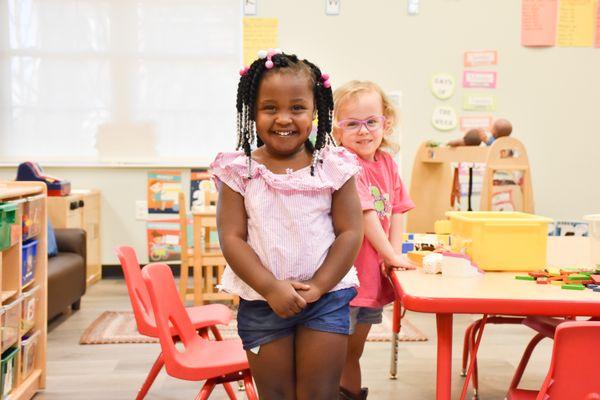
[[141, 210]]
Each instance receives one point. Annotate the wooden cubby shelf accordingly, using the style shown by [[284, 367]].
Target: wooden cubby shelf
[[23, 194]]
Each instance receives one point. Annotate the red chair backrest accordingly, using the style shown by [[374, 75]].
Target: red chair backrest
[[138, 292], [168, 308], [575, 368]]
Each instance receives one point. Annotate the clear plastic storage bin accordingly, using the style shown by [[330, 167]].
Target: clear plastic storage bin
[[29, 261], [10, 323], [28, 351], [8, 377], [29, 308], [32, 216], [8, 227]]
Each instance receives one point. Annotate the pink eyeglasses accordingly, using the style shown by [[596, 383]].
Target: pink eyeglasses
[[354, 125]]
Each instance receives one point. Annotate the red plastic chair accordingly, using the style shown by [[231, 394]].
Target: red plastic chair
[[202, 317], [574, 367], [217, 362]]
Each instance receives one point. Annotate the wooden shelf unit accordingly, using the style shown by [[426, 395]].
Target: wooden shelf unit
[[81, 209], [431, 181], [11, 288]]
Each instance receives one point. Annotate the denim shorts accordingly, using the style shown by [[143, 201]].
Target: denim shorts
[[364, 315], [258, 324]]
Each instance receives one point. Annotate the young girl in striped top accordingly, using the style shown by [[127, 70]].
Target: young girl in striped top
[[290, 226]]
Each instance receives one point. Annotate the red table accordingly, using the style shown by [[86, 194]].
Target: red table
[[493, 293]]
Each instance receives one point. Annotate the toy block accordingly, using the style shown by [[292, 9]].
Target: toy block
[[525, 278], [542, 281], [417, 256], [556, 283], [407, 247], [573, 287], [577, 277], [539, 274], [595, 278], [553, 271]]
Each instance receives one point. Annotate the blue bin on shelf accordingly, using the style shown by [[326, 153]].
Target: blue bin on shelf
[[29, 261]]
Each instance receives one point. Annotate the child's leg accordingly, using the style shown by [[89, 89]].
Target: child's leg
[[319, 362], [351, 377], [273, 369]]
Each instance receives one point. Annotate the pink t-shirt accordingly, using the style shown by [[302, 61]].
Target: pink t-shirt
[[379, 188], [289, 215]]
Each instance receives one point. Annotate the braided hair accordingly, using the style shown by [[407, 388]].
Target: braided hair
[[247, 94]]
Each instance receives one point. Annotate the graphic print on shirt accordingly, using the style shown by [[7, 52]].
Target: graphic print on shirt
[[381, 203]]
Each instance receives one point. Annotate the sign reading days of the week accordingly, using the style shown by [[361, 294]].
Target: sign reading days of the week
[[479, 79], [442, 86], [444, 118]]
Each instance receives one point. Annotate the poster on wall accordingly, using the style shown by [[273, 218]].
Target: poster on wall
[[200, 182], [413, 7], [538, 22], [480, 58], [442, 86], [162, 191], [597, 40], [576, 23], [475, 122], [250, 7], [163, 240], [479, 79], [259, 34], [479, 102], [444, 118], [332, 7]]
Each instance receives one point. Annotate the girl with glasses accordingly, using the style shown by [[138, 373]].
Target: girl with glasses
[[364, 119]]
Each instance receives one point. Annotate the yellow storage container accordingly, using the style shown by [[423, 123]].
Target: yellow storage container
[[501, 241]]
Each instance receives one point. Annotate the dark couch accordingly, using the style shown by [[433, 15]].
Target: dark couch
[[66, 272]]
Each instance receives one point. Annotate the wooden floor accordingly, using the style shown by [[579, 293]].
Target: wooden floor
[[115, 372]]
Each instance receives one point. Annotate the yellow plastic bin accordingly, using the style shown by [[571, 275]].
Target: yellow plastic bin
[[29, 309], [28, 351], [501, 241], [8, 371], [11, 323]]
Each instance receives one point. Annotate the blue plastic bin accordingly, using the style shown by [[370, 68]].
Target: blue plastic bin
[[29, 261]]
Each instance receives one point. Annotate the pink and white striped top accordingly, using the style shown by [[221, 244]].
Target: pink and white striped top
[[289, 215]]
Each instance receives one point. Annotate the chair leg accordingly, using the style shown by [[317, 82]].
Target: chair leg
[[396, 326], [229, 390], [183, 280], [156, 367], [479, 325], [216, 333], [524, 360], [465, 356], [473, 359], [206, 389], [249, 385]]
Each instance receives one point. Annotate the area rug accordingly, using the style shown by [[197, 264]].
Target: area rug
[[113, 327]]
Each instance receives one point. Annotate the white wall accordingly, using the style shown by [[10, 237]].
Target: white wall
[[551, 95]]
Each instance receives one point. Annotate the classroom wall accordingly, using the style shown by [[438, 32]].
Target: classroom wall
[[551, 95]]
